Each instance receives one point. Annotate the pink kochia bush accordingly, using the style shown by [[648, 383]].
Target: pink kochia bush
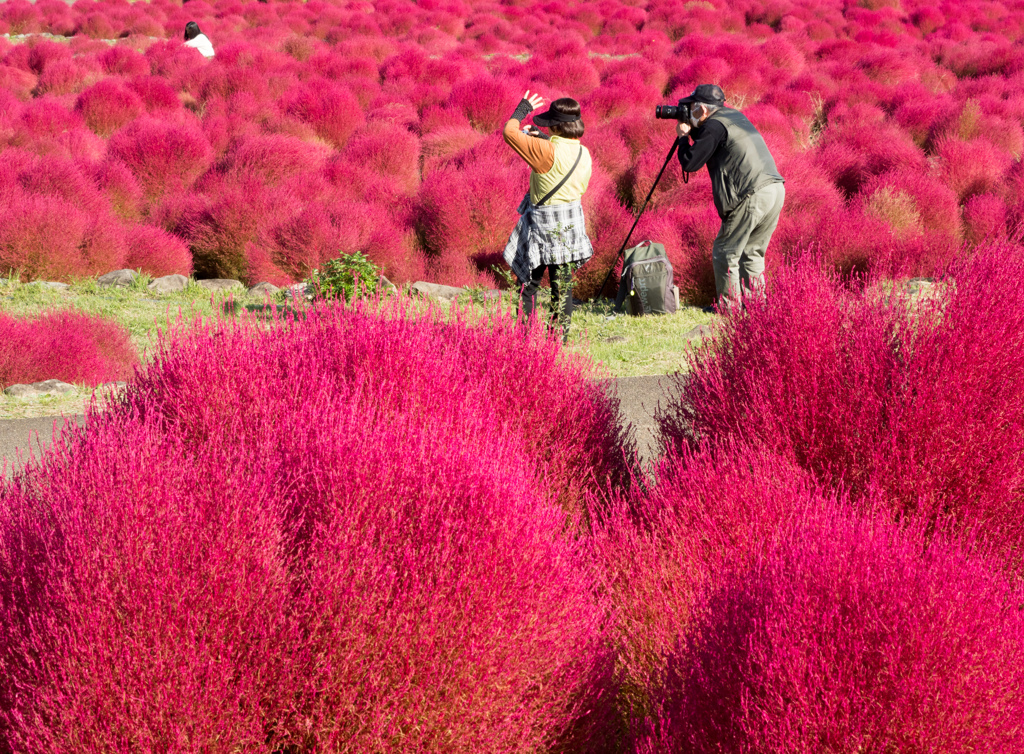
[[67, 345], [846, 637], [659, 548], [343, 533], [870, 391]]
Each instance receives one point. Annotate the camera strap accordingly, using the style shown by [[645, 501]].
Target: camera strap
[[561, 183]]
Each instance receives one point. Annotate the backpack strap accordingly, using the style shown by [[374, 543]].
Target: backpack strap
[[561, 183]]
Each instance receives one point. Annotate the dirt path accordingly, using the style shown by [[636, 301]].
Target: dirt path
[[28, 434], [639, 397]]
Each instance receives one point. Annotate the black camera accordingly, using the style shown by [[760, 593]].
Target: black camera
[[680, 112]]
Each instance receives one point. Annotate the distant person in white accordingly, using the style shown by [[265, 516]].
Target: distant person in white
[[195, 38]]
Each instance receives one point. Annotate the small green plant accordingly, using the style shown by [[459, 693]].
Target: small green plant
[[345, 277], [506, 276]]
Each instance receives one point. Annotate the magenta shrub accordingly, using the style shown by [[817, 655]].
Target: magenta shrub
[[867, 390], [658, 551], [65, 345], [331, 110], [156, 252], [107, 106], [384, 562], [46, 237], [162, 156], [846, 637], [467, 214], [390, 151]]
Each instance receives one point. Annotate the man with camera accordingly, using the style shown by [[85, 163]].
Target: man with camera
[[747, 187]]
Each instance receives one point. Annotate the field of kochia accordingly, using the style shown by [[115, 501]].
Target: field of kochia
[[371, 527], [321, 129]]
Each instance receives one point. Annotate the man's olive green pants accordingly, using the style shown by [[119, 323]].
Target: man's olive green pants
[[738, 252]]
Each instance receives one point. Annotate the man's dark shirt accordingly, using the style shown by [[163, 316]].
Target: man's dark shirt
[[706, 139]]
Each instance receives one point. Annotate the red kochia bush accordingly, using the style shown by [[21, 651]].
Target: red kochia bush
[[47, 237], [659, 549], [107, 106], [847, 638], [65, 345], [467, 215], [156, 252], [870, 394], [163, 156], [379, 565], [332, 110]]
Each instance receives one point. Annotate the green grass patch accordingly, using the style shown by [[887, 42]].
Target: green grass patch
[[622, 346]]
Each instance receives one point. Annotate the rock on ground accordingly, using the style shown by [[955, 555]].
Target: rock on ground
[[699, 332], [220, 284], [36, 389], [437, 291], [263, 289], [168, 284], [117, 278]]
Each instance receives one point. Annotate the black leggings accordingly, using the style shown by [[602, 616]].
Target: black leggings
[[560, 276]]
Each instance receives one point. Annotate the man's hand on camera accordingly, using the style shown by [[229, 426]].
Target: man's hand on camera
[[682, 129]]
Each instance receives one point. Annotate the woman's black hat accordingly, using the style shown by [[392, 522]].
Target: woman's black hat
[[551, 116]]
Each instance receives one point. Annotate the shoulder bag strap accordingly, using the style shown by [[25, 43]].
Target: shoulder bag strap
[[561, 183]]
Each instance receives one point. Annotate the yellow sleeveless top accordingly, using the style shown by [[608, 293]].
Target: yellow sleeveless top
[[566, 151]]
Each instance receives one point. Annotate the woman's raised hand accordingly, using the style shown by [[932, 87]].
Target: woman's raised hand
[[535, 100]]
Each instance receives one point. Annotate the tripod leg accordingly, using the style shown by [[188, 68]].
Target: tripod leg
[[671, 152]]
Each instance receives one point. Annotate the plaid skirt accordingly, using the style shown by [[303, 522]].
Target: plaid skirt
[[549, 234]]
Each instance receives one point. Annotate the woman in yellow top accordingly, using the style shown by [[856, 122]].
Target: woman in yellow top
[[551, 233]]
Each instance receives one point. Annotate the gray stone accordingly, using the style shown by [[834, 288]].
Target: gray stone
[[20, 391], [492, 294], [437, 291], [36, 389], [168, 284], [386, 286], [117, 278], [51, 284], [615, 339], [53, 387], [698, 332], [220, 284], [263, 289]]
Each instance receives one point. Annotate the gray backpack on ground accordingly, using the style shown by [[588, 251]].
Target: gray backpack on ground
[[645, 286]]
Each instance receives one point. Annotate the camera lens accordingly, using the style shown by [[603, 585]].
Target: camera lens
[[666, 112]]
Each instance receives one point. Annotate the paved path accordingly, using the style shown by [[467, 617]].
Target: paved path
[[639, 398], [25, 434]]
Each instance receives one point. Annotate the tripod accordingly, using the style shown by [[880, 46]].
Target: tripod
[[672, 151]]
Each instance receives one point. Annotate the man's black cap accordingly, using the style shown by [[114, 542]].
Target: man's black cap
[[709, 94]]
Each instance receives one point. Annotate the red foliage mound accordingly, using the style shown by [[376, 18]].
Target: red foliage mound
[[156, 252], [47, 237], [64, 345], [658, 550], [870, 392], [382, 563], [164, 157], [845, 637], [467, 214], [107, 106]]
